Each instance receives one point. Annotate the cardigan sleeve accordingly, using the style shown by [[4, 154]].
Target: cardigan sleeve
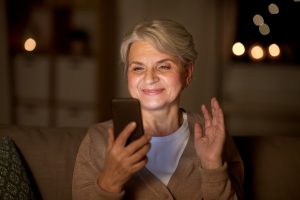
[[225, 182], [88, 164]]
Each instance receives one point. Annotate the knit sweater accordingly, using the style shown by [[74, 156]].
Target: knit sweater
[[189, 180]]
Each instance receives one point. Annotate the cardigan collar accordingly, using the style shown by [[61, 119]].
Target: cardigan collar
[[187, 164]]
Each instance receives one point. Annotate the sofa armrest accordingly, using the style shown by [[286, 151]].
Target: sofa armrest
[[272, 166], [50, 155]]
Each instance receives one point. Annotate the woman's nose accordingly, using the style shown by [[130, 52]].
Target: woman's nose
[[151, 77]]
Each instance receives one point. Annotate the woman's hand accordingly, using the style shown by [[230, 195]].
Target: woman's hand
[[123, 161], [209, 145]]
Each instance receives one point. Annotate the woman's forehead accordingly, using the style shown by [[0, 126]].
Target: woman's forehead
[[144, 49]]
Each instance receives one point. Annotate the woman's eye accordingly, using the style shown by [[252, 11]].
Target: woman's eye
[[164, 67], [137, 68]]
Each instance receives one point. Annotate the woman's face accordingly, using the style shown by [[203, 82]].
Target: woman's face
[[155, 78]]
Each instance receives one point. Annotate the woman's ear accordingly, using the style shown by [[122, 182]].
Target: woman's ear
[[189, 68]]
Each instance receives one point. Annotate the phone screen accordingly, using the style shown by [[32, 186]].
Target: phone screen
[[126, 110]]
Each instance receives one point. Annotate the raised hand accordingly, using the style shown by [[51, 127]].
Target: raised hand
[[209, 143], [122, 161]]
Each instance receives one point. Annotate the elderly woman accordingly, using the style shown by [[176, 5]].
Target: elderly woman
[[180, 156]]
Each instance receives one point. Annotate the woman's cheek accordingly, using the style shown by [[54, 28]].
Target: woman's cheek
[[132, 84]]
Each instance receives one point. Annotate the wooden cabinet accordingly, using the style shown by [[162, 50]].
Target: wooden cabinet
[[60, 91], [32, 113], [75, 90], [65, 80], [32, 84], [76, 115], [32, 76], [76, 71]]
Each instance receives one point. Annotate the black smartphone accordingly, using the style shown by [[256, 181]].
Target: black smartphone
[[126, 110]]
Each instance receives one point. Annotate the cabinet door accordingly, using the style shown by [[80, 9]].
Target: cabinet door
[[32, 76], [76, 79], [75, 116], [32, 115]]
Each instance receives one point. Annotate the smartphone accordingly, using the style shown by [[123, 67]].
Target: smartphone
[[125, 110]]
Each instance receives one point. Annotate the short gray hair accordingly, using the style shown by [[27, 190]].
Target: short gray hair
[[167, 36]]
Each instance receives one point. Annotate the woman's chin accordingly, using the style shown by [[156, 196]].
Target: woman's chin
[[152, 105]]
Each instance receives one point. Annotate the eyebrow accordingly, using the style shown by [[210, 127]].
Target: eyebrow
[[136, 62], [159, 62], [165, 60]]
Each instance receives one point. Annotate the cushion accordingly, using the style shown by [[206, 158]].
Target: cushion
[[14, 179]]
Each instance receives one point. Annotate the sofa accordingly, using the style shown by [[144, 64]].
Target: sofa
[[272, 163]]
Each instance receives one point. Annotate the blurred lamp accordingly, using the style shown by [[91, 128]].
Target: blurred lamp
[[273, 9], [264, 29], [274, 50], [258, 20], [238, 49], [29, 44], [256, 52]]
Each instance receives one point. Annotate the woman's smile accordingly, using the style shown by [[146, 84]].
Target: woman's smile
[[152, 92]]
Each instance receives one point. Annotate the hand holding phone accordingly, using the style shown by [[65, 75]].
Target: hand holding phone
[[126, 110]]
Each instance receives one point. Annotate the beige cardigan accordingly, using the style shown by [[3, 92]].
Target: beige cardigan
[[189, 181]]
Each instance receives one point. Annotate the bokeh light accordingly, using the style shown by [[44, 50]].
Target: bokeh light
[[256, 52], [238, 49], [274, 50], [258, 20], [264, 29], [273, 9], [30, 44]]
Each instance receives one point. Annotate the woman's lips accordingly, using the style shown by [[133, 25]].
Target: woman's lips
[[152, 91]]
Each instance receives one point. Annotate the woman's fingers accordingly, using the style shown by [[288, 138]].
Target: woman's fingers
[[134, 155], [198, 131], [124, 135], [135, 151], [139, 165], [215, 118], [137, 144], [121, 160], [207, 116], [213, 104], [139, 155], [218, 116]]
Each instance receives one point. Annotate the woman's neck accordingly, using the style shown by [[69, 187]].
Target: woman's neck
[[162, 123]]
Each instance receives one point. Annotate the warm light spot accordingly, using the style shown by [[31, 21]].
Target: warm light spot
[[264, 29], [258, 20], [257, 52], [29, 44], [273, 9], [238, 49], [274, 50]]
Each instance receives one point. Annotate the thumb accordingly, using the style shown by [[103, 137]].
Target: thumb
[[198, 131]]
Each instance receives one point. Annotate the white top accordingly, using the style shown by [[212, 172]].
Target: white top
[[166, 151]]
